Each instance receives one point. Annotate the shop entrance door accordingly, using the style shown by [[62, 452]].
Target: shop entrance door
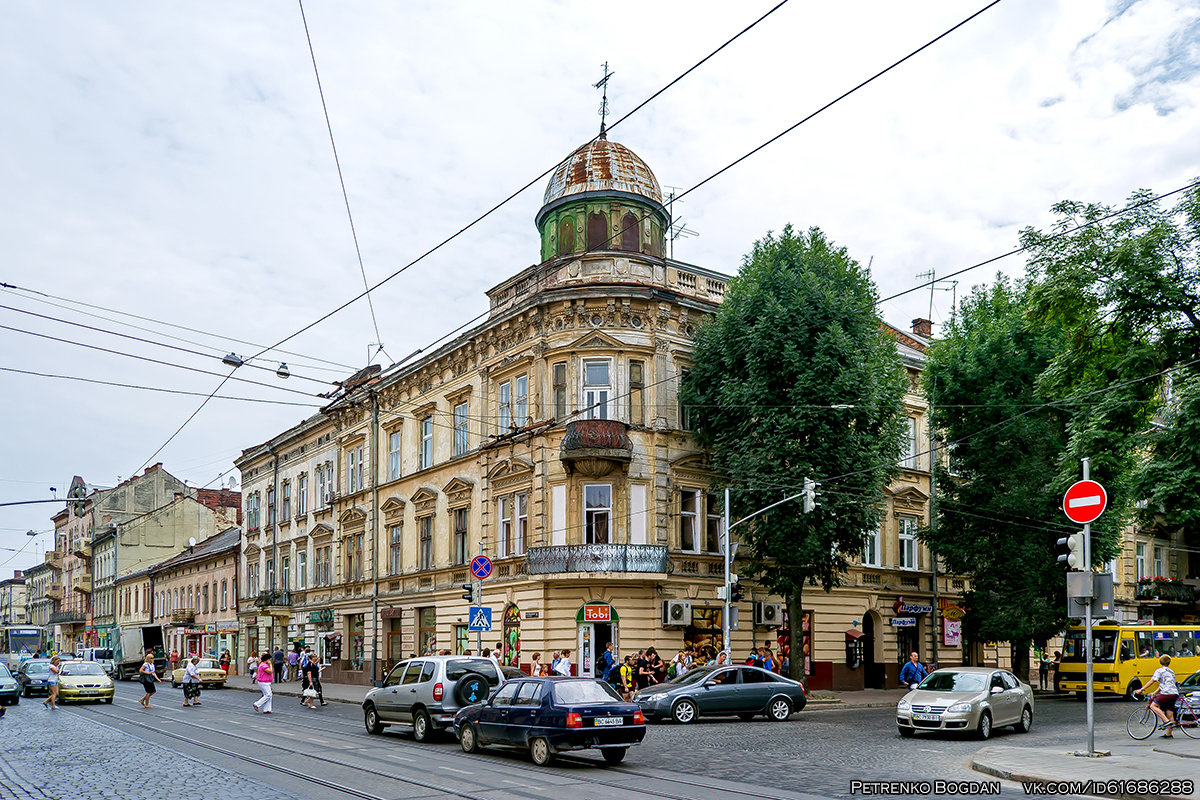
[[874, 675], [593, 638]]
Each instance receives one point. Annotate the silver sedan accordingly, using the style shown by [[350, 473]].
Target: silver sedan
[[975, 699]]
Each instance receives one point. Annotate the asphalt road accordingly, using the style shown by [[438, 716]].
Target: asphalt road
[[232, 752]]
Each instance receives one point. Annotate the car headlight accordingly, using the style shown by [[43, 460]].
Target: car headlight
[[903, 705], [959, 708]]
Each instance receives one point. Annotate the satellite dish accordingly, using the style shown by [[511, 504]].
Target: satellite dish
[[192, 542]]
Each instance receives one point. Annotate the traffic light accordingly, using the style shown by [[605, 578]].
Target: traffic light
[[810, 495], [1074, 555], [735, 592], [469, 593]]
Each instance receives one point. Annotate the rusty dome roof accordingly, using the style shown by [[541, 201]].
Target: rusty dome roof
[[599, 166]]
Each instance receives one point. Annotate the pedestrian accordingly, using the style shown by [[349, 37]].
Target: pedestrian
[[913, 672], [607, 660], [563, 666], [149, 678], [1054, 665], [643, 676], [535, 666], [628, 678], [1163, 703], [52, 680], [1043, 669], [278, 659], [494, 655], [226, 660], [191, 682], [722, 658], [174, 659], [310, 677], [263, 677], [293, 658], [658, 667]]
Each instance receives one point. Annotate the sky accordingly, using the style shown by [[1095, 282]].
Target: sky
[[170, 164]]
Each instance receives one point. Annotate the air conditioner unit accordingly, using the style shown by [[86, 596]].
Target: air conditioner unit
[[768, 615], [676, 613]]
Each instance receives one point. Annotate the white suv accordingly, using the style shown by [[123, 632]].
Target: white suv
[[427, 692]]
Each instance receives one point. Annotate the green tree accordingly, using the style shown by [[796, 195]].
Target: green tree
[[794, 377], [999, 513]]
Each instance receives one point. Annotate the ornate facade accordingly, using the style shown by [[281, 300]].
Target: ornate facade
[[550, 439]]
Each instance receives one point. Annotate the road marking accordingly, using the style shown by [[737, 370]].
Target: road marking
[[459, 771], [1084, 502]]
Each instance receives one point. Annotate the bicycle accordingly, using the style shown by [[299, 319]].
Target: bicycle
[[1143, 722]]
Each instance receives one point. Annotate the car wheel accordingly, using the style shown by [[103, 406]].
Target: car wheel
[[108, 700], [471, 688], [1134, 686], [540, 752], [614, 755], [779, 710], [422, 727], [746, 717], [16, 700], [684, 712], [985, 726], [907, 733], [467, 739], [1026, 720], [371, 720]]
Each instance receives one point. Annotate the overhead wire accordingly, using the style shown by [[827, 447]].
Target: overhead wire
[[153, 388]]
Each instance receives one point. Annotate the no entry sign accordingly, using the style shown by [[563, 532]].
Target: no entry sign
[[1084, 501]]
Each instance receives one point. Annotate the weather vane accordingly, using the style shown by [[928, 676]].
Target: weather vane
[[602, 84]]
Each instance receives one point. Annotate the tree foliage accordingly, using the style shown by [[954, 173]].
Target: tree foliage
[[999, 512], [794, 377]]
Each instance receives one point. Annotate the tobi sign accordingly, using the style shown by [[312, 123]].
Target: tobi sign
[[1084, 502]]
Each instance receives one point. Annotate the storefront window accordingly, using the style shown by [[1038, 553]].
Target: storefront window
[[512, 637], [705, 629], [462, 639], [426, 630], [357, 640]]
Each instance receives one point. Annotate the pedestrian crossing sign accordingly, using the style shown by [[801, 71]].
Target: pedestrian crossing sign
[[481, 619]]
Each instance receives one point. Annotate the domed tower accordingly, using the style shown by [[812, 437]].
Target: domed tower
[[602, 198]]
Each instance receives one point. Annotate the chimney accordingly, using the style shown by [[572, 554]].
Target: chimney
[[922, 327]]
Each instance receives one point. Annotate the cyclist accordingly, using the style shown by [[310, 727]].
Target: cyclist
[[1163, 704]]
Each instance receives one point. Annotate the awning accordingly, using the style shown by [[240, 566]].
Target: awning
[[854, 633]]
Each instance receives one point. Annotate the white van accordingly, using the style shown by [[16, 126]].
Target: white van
[[102, 656]]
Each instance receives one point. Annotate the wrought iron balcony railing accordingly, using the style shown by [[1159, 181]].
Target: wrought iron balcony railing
[[596, 558], [273, 598], [1148, 589]]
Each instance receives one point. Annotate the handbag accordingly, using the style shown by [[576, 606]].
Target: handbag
[[309, 693]]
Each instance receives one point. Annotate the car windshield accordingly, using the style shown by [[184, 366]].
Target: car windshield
[[4, 673], [692, 676], [1191, 681], [458, 667], [569, 693], [37, 667], [208, 663], [102, 654], [953, 682], [82, 668]]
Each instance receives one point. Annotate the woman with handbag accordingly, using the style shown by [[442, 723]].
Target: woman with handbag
[[149, 678], [191, 682], [311, 677]]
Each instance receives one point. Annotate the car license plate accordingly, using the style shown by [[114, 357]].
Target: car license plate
[[606, 721], [928, 717], [89, 692]]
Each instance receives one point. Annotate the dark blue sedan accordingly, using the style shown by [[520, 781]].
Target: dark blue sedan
[[551, 715]]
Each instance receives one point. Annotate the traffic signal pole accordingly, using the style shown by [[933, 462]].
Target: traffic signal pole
[[1087, 624], [726, 641]]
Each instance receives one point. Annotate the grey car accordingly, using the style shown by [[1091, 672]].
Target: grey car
[[975, 699], [722, 691], [427, 692]]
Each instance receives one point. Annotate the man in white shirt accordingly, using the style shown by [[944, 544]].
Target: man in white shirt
[[563, 667], [1163, 704]]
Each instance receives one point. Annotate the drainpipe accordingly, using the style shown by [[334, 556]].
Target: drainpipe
[[374, 531], [933, 519], [274, 529]]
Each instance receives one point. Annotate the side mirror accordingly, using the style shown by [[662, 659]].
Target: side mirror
[[377, 684], [997, 690]]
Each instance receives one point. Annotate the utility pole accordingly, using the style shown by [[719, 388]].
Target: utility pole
[[727, 644], [1087, 622]]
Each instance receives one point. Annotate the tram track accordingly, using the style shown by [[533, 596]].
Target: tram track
[[426, 751]]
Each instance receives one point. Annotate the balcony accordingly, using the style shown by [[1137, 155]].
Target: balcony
[[54, 559], [595, 447], [82, 583], [596, 558], [54, 592], [273, 599], [66, 618], [185, 617], [1164, 590], [82, 549]]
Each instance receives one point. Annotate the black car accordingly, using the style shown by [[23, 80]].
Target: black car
[[722, 691], [551, 715], [34, 677]]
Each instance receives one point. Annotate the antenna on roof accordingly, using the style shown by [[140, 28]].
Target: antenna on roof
[[678, 227], [603, 85]]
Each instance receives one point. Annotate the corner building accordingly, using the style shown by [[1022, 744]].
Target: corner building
[[550, 439]]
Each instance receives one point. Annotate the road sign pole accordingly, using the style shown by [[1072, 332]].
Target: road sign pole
[[1087, 623]]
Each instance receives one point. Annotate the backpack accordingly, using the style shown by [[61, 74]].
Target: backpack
[[671, 670]]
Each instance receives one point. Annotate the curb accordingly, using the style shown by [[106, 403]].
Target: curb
[[1025, 777], [289, 693]]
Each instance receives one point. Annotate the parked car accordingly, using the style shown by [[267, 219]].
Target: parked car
[[102, 656], [84, 680], [427, 692], [551, 715], [34, 677], [966, 699], [10, 690], [211, 674], [722, 691]]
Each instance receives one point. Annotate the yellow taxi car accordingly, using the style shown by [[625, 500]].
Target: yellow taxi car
[[84, 681], [211, 674]]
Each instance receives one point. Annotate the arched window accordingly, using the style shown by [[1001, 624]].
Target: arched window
[[566, 236], [629, 233], [597, 230]]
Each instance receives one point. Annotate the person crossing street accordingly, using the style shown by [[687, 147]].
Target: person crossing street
[[913, 672]]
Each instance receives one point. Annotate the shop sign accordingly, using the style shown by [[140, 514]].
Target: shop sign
[[250, 621], [322, 615], [901, 607], [210, 627], [192, 631], [952, 632], [904, 622], [227, 627], [532, 614], [597, 613], [953, 613], [387, 613]]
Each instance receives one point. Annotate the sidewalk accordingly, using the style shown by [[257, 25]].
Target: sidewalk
[[1154, 759]]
